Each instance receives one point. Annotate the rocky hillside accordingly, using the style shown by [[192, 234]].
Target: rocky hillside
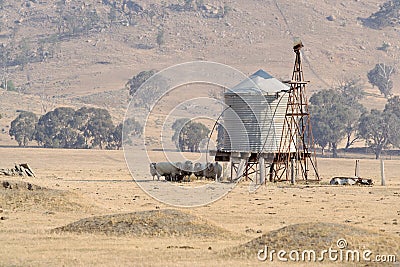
[[75, 52]]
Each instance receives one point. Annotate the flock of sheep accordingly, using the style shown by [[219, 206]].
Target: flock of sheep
[[178, 171]]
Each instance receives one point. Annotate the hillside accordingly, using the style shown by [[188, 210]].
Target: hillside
[[83, 52]]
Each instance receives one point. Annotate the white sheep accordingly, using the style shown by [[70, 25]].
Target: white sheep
[[169, 170], [199, 169], [213, 171]]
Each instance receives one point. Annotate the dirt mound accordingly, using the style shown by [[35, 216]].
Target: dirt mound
[[317, 237], [149, 223], [27, 196]]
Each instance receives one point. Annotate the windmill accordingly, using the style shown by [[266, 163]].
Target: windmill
[[296, 155]]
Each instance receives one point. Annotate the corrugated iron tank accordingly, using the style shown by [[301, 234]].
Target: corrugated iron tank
[[254, 121]]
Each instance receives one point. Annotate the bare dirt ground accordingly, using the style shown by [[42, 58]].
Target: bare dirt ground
[[73, 186]]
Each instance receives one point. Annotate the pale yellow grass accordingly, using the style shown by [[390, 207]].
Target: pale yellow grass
[[101, 180]]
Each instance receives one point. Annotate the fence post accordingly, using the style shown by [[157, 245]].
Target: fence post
[[357, 170], [383, 182]]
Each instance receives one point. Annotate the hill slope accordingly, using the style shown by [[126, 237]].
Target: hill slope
[[77, 51]]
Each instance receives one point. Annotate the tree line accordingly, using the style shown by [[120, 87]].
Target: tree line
[[65, 127], [337, 115]]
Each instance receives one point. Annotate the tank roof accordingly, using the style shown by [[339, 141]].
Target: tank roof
[[257, 83]]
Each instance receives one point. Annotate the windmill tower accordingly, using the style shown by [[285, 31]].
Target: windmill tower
[[267, 127], [296, 154]]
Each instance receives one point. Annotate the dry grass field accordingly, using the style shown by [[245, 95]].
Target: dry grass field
[[83, 208]]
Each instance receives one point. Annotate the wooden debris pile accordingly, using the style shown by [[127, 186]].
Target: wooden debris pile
[[22, 169], [350, 181]]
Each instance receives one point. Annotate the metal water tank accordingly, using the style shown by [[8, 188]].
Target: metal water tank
[[254, 121]]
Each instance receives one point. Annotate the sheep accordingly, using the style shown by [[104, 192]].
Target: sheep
[[153, 171], [199, 169], [213, 171], [167, 169], [179, 176], [187, 168]]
